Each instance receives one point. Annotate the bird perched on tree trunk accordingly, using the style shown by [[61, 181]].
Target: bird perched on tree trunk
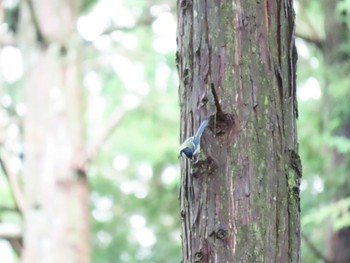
[[191, 146]]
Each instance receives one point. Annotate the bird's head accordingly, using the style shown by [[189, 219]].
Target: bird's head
[[186, 152]]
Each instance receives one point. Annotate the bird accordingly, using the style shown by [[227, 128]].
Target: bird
[[191, 146]]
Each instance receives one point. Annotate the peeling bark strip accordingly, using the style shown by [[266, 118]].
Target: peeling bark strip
[[236, 62]]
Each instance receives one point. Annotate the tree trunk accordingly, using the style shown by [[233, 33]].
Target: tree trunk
[[56, 224], [236, 63]]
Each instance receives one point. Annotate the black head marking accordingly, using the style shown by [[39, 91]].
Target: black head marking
[[188, 152]]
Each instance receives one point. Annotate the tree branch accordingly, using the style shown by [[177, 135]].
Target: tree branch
[[114, 120], [6, 209], [13, 234], [17, 245], [314, 249], [14, 186], [10, 231], [316, 42], [313, 32], [313, 36], [6, 39], [39, 35], [144, 21], [86, 155]]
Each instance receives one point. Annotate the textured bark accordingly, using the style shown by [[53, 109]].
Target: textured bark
[[56, 224], [236, 63]]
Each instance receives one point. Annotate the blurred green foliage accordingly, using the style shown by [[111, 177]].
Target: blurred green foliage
[[134, 179], [324, 122]]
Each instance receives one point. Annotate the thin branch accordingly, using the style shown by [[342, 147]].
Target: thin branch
[[7, 39], [114, 120], [314, 249], [316, 42], [14, 185], [17, 245], [312, 37], [13, 234], [39, 34], [84, 156], [313, 32], [144, 21], [10, 231], [6, 209]]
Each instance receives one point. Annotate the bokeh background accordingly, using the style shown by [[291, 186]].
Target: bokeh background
[[129, 74]]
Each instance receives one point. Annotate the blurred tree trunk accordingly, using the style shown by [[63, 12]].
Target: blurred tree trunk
[[339, 246], [336, 59], [56, 218], [335, 103], [236, 62]]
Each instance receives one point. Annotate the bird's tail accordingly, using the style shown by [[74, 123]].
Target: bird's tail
[[200, 130]]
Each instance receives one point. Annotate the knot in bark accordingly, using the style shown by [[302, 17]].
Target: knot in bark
[[221, 234], [198, 256]]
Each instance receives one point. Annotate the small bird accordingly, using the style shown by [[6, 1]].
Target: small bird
[[191, 145]]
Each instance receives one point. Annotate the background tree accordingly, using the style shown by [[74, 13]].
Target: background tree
[[237, 67], [55, 212], [323, 31]]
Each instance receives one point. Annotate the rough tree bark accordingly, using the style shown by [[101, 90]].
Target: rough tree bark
[[56, 224], [236, 63]]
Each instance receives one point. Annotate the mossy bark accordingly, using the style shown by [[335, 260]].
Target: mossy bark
[[236, 63]]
